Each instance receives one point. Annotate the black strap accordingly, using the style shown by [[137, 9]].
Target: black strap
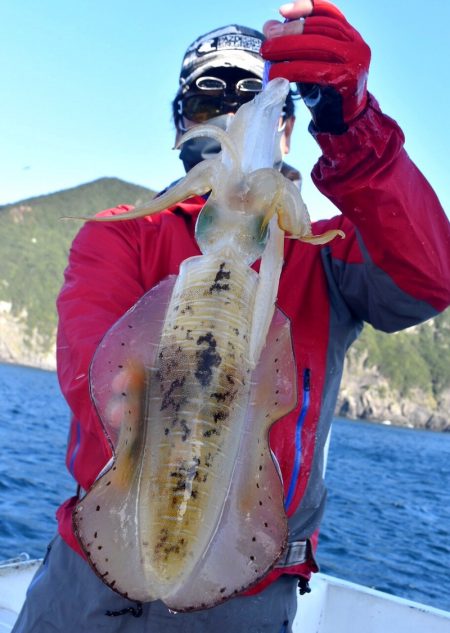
[[303, 585], [136, 612]]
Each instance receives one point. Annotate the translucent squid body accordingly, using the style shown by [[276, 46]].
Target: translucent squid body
[[190, 510]]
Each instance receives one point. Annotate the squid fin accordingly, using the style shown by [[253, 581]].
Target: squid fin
[[106, 520]]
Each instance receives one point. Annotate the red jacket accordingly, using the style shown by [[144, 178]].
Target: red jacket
[[392, 270]]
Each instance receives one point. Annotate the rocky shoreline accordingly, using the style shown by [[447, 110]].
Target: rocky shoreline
[[17, 347], [365, 393]]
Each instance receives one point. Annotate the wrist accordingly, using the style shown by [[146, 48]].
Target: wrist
[[373, 140], [331, 113], [365, 123]]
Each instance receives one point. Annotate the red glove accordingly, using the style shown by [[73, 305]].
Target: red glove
[[329, 61]]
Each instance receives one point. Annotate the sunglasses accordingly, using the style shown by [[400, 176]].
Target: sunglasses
[[213, 98]]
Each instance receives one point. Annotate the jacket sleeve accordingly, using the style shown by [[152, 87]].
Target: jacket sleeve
[[102, 281], [397, 272]]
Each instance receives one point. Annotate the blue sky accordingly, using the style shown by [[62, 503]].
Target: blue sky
[[87, 87]]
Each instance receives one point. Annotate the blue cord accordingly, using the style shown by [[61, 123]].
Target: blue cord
[[298, 438], [266, 71]]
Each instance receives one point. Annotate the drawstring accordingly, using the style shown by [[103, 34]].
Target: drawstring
[[136, 612], [303, 586], [298, 438]]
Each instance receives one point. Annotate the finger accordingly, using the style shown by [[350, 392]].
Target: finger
[[116, 413], [128, 388], [322, 7], [329, 27], [308, 48], [125, 408], [273, 28], [130, 378], [295, 10], [120, 381], [309, 71]]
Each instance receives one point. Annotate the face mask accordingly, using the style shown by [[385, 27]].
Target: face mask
[[200, 148]]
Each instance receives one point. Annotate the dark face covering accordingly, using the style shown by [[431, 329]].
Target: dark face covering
[[200, 148]]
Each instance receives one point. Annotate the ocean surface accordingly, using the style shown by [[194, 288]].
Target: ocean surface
[[387, 523]]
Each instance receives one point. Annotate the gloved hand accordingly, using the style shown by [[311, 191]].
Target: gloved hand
[[325, 56]]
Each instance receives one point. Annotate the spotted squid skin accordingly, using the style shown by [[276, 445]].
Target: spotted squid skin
[[175, 461], [198, 399]]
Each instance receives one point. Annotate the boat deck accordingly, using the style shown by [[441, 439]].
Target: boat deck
[[338, 606], [333, 606]]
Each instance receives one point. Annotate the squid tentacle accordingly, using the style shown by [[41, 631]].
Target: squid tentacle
[[197, 182]]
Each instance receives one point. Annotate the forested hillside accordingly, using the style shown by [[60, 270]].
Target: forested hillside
[[415, 358], [403, 377], [34, 243]]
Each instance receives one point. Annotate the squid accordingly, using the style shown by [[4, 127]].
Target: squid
[[190, 508]]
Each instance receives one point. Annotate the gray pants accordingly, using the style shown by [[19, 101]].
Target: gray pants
[[65, 596]]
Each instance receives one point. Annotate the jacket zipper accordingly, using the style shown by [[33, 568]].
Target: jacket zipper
[[298, 438]]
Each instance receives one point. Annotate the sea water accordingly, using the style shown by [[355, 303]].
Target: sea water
[[387, 523]]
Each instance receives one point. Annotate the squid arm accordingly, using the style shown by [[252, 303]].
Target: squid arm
[[293, 218], [286, 213], [197, 182], [266, 293], [288, 205]]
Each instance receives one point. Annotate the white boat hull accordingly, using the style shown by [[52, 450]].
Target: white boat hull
[[333, 606], [339, 606], [14, 581]]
